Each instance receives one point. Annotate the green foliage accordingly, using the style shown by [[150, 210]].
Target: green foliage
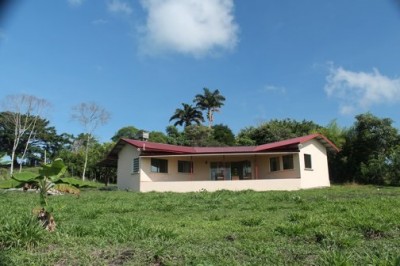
[[370, 154], [174, 136], [10, 183], [197, 135], [73, 158], [223, 135], [48, 175], [334, 133], [210, 102], [187, 115], [53, 171], [25, 177], [157, 136], [346, 225], [45, 138], [276, 130], [129, 132]]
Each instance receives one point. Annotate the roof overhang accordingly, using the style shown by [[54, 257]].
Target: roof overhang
[[219, 154], [151, 149]]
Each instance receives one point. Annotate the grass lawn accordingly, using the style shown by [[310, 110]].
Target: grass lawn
[[342, 225]]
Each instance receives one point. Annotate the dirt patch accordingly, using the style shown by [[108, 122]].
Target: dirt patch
[[122, 257]]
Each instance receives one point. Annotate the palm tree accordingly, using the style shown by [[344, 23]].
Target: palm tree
[[210, 101], [187, 115]]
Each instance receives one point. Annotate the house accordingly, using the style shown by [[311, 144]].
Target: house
[[291, 164]]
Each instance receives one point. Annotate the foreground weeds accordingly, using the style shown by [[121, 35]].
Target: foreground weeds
[[336, 226]]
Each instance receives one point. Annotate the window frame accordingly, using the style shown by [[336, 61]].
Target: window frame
[[135, 165], [307, 161], [291, 162], [278, 164], [161, 165], [187, 165]]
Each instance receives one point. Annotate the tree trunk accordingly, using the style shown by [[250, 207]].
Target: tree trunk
[[86, 158], [32, 128], [210, 117], [15, 145]]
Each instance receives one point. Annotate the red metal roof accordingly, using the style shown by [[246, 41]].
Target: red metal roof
[[290, 144], [152, 148], [296, 141]]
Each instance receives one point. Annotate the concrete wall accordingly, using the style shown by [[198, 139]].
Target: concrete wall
[[318, 175], [125, 178], [256, 185], [266, 173], [201, 168]]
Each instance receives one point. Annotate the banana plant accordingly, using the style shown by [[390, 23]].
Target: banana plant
[[49, 174]]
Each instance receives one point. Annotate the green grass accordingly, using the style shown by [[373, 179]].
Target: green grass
[[346, 225]]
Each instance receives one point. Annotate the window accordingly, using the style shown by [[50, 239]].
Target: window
[[274, 164], [247, 170], [307, 161], [288, 162], [159, 165], [185, 167], [135, 165]]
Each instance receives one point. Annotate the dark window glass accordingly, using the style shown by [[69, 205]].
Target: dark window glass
[[274, 164], [159, 165], [307, 161], [185, 167], [135, 166], [288, 161]]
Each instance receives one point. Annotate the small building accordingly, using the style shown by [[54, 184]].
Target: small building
[[292, 164]]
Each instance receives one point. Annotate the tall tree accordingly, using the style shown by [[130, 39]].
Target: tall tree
[[198, 135], [23, 113], [369, 146], [334, 133], [129, 132], [174, 136], [90, 116], [210, 102], [187, 116], [44, 140], [157, 136], [223, 135], [276, 130]]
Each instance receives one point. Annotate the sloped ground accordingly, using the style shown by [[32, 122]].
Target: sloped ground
[[336, 226]]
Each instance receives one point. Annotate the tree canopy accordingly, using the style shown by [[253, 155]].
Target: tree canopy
[[210, 102], [371, 150], [187, 115]]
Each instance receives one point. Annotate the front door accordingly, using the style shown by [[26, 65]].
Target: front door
[[237, 170]]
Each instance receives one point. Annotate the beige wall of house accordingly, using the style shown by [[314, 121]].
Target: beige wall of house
[[201, 167], [199, 171], [265, 171], [126, 179], [196, 186], [318, 174]]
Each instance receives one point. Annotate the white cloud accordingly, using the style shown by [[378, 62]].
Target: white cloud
[[361, 90], [118, 6], [194, 27], [75, 2]]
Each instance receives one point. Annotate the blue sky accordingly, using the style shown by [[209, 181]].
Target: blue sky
[[309, 59]]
